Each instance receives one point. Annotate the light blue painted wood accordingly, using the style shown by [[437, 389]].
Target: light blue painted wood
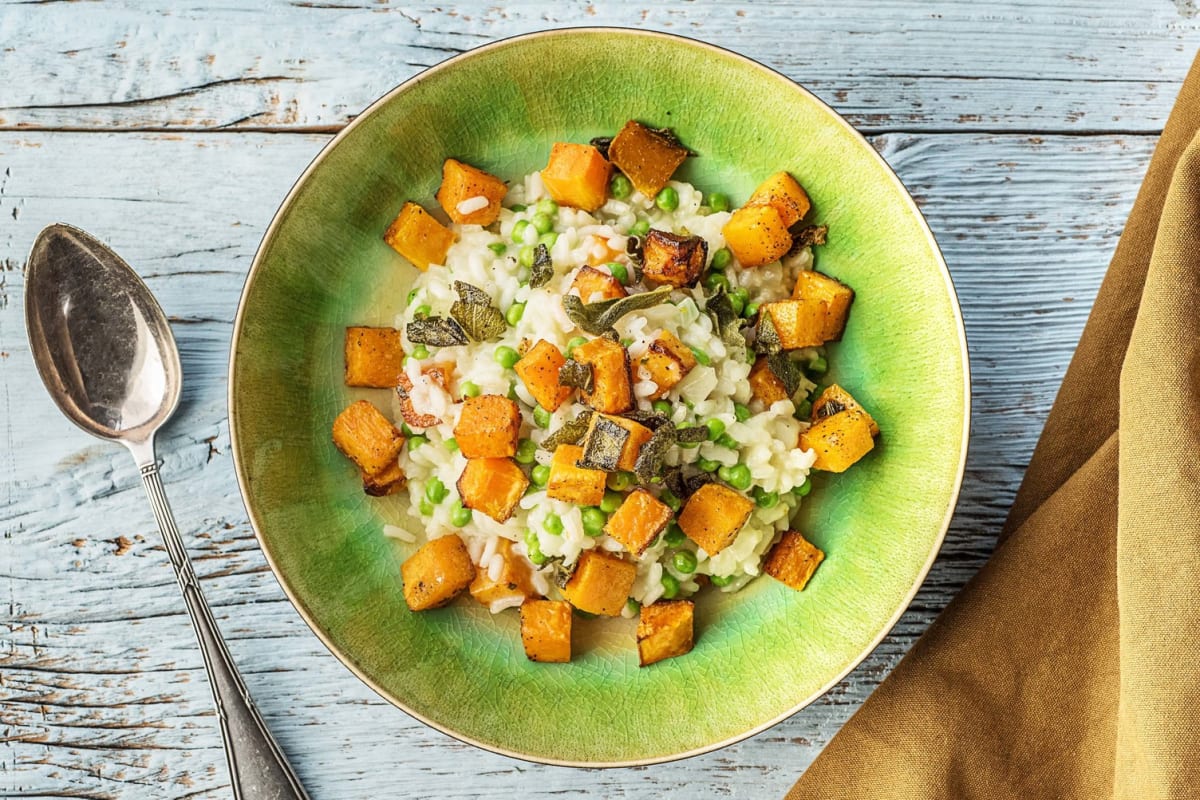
[[979, 108]]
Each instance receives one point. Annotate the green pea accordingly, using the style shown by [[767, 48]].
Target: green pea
[[553, 524], [593, 521], [707, 465], [499, 248], [518, 231], [422, 311], [718, 201], [451, 444], [741, 294], [525, 256], [540, 475], [670, 585], [548, 239], [701, 356], [640, 228], [416, 441], [736, 303], [411, 297], [622, 481], [668, 199], [721, 259], [542, 223], [633, 605], [803, 409], [612, 501], [546, 206], [407, 431], [715, 280], [512, 393], [740, 412], [803, 489], [526, 451], [684, 561], [436, 491], [727, 441], [818, 365], [715, 428], [737, 476], [670, 500], [514, 314], [721, 580], [541, 417], [420, 351], [576, 342], [506, 356], [470, 389], [619, 272], [626, 343], [765, 499], [662, 407], [533, 547], [674, 535], [750, 311], [425, 507], [518, 208], [620, 187], [459, 516]]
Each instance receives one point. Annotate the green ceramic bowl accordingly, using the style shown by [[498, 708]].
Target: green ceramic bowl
[[761, 654]]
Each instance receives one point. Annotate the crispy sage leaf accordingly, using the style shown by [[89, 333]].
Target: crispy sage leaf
[[808, 236], [767, 341], [543, 267], [652, 454], [726, 321], [787, 370], [436, 331], [692, 434], [481, 322], [571, 432], [576, 375], [603, 446], [602, 143], [472, 294], [673, 480], [829, 408], [694, 482], [596, 318], [671, 139], [651, 419]]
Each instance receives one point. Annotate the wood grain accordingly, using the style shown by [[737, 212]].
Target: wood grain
[[102, 692]]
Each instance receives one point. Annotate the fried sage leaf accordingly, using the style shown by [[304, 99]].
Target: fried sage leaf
[[829, 408], [808, 236], [571, 432], [543, 267], [767, 340], [576, 375], [653, 453], [651, 419], [469, 293], [693, 434], [481, 322], [436, 331], [602, 143], [596, 318], [694, 482], [726, 321], [603, 446], [787, 370]]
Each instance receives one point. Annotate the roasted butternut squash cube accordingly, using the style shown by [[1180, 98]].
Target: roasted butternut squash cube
[[837, 297], [419, 237], [439, 374], [839, 440], [488, 427], [468, 195], [546, 630], [646, 156], [577, 175], [757, 235], [367, 437], [672, 260], [437, 573], [713, 516], [572, 483], [612, 388], [793, 560], [765, 384], [623, 458], [493, 486], [595, 285], [373, 357], [388, 482], [665, 630], [538, 370], [515, 578], [834, 400], [601, 583], [799, 323], [638, 521], [667, 361], [787, 196]]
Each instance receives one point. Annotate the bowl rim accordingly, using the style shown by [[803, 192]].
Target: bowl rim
[[786, 83]]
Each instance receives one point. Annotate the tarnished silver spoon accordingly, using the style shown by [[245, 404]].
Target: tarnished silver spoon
[[107, 356]]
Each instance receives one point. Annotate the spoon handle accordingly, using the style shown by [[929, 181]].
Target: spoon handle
[[257, 767]]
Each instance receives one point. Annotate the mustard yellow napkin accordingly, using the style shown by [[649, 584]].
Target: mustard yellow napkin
[[1069, 667]]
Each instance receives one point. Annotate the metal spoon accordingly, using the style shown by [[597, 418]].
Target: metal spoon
[[107, 356]]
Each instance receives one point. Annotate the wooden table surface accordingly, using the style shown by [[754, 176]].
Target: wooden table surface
[[172, 130]]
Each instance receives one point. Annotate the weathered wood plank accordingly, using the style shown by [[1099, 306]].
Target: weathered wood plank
[[101, 688], [1018, 65]]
